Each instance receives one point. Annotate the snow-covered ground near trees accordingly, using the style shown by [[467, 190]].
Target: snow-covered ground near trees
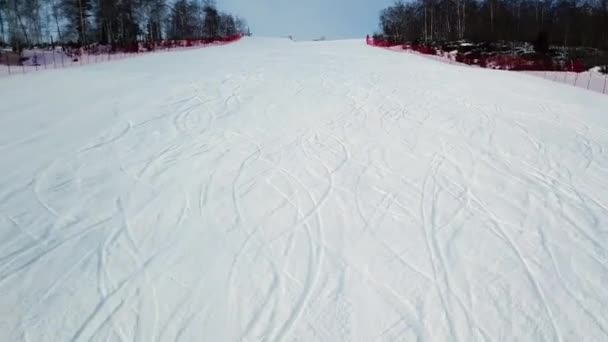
[[592, 79], [324, 191]]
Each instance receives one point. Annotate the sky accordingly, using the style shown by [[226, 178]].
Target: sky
[[308, 19]]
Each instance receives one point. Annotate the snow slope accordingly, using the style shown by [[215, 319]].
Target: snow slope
[[280, 191]]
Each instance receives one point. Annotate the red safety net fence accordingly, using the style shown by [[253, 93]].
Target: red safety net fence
[[494, 61], [59, 57]]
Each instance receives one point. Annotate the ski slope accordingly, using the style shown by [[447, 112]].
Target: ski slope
[[277, 191]]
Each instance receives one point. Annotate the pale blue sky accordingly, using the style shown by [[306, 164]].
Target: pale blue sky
[[307, 19]]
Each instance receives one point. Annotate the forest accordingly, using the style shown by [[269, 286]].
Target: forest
[[119, 23], [566, 23]]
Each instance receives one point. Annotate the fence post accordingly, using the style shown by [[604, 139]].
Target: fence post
[[8, 64], [35, 61], [62, 63], [605, 79], [575, 78], [589, 81], [45, 61]]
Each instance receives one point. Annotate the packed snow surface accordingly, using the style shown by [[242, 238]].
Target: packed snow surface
[[277, 191]]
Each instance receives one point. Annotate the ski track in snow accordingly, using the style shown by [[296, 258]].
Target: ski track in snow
[[277, 191]]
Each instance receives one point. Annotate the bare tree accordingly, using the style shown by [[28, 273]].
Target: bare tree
[[3, 9], [77, 13], [121, 23], [565, 22]]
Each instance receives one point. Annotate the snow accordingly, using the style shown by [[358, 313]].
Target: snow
[[591, 80], [272, 190]]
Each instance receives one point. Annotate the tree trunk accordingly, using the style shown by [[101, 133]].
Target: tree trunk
[[432, 25], [464, 17], [605, 20], [47, 19], [109, 33], [542, 14], [425, 27], [82, 26], [492, 16], [458, 24], [58, 29], [37, 25], [2, 38], [21, 25], [536, 16]]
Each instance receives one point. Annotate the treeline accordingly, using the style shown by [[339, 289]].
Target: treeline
[[120, 23], [560, 22]]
